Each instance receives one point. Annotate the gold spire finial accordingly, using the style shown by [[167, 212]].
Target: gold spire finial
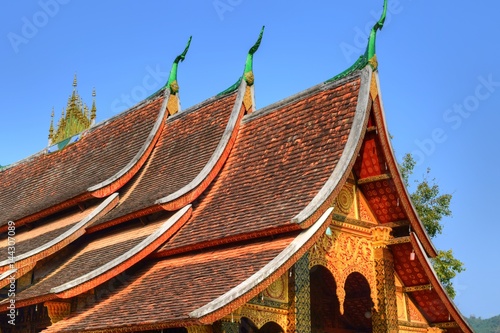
[[75, 118], [94, 109], [51, 128]]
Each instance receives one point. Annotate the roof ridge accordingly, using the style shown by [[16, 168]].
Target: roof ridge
[[300, 95], [104, 122]]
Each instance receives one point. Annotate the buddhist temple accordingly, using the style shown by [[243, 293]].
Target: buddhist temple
[[221, 218]]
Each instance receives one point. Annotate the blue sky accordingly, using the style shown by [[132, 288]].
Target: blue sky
[[438, 65]]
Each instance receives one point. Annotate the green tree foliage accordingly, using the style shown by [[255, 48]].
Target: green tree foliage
[[491, 325], [431, 207]]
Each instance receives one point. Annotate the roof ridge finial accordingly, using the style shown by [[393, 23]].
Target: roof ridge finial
[[248, 74], [370, 49], [172, 80]]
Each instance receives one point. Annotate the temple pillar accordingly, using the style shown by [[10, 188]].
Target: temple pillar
[[302, 295], [386, 318]]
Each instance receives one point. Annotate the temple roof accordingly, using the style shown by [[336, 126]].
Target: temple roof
[[98, 159], [156, 287], [102, 258], [192, 136], [291, 135], [219, 195], [57, 232]]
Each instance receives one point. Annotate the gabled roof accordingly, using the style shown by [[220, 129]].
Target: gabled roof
[[193, 146], [288, 159], [102, 258], [50, 237], [99, 163], [174, 291]]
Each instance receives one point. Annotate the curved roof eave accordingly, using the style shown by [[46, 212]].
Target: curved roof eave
[[65, 238], [191, 191], [124, 261], [116, 181], [341, 171], [436, 284], [279, 264], [398, 179]]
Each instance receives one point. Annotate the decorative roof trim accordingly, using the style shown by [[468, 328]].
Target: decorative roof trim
[[172, 79], [436, 284], [49, 211], [4, 281], [111, 184], [187, 194], [297, 97], [67, 237], [18, 271], [144, 247], [417, 225], [259, 277], [348, 154], [248, 71]]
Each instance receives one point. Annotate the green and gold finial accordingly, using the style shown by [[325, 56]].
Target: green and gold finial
[[172, 80], [369, 57], [370, 49], [248, 74]]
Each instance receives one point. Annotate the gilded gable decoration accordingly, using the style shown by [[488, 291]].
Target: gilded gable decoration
[[75, 118]]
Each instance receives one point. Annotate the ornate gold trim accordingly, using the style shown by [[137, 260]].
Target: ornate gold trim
[[261, 315], [417, 288], [399, 240]]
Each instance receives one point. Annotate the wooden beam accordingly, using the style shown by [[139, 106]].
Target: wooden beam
[[400, 240], [417, 288], [396, 224], [372, 179]]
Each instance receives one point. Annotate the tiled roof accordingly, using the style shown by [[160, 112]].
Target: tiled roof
[[282, 157], [187, 143], [433, 302], [133, 242], [45, 180], [166, 292], [51, 236]]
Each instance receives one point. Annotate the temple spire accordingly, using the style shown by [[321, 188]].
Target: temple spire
[[51, 128], [93, 110], [75, 118]]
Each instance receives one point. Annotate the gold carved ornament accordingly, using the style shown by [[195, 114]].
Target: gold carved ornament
[[343, 254]]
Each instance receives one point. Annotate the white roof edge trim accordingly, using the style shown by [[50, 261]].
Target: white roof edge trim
[[228, 131], [125, 256], [145, 146], [6, 274], [386, 132], [67, 233], [264, 272], [347, 155], [429, 263]]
